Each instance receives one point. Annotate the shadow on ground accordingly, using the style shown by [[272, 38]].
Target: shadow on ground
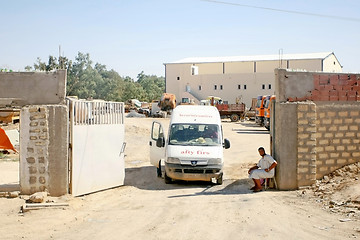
[[145, 178]]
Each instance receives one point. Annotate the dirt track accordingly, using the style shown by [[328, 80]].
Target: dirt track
[[147, 208]]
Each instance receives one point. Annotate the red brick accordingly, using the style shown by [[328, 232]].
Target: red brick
[[351, 82], [338, 87], [357, 97], [352, 98], [324, 81], [334, 98], [310, 98], [329, 87], [333, 93], [344, 77], [324, 93], [342, 93], [334, 79], [324, 98], [351, 93], [356, 88], [315, 92], [290, 99], [343, 98], [343, 82], [347, 88], [353, 77], [315, 97]]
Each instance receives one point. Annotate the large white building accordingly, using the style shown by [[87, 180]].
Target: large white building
[[238, 77]]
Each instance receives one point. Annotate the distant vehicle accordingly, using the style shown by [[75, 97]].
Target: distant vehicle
[[132, 104], [260, 109], [268, 112], [167, 102], [233, 111], [193, 148]]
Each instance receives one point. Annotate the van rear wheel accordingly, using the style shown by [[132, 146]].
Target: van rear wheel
[[234, 117]]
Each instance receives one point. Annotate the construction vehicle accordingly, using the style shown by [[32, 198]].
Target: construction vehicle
[[268, 111], [233, 111], [167, 102], [251, 112], [260, 109], [132, 104]]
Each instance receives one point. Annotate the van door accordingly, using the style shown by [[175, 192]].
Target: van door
[[157, 152]]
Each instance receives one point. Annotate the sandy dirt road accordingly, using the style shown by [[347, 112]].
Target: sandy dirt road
[[147, 208]]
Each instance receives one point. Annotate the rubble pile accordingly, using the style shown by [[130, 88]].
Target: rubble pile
[[339, 192]]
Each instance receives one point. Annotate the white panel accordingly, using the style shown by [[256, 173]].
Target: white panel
[[97, 161]]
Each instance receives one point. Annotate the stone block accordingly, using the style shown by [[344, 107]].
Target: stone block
[[30, 160]]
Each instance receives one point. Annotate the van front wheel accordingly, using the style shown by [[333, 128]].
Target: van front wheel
[[219, 181], [168, 180]]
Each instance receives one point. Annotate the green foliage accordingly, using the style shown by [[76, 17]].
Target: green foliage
[[88, 81]]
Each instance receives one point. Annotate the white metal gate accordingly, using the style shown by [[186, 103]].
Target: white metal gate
[[97, 145]]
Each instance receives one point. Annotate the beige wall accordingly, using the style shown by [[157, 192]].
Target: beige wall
[[235, 74], [331, 64], [308, 65]]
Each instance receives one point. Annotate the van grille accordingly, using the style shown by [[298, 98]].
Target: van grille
[[193, 171]]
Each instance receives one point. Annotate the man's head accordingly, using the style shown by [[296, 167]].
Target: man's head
[[261, 151]]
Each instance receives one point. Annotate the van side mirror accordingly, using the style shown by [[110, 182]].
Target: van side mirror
[[160, 142], [226, 144]]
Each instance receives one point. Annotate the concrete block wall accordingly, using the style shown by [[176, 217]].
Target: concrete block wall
[[337, 137], [325, 123], [44, 153], [306, 143]]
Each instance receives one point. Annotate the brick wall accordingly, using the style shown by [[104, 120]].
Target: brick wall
[[306, 148], [44, 149], [34, 133], [326, 124], [337, 137]]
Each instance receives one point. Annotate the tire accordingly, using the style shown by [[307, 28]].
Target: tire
[[234, 117], [158, 170], [167, 179], [219, 181]]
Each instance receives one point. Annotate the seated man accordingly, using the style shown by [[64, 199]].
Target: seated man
[[264, 169]]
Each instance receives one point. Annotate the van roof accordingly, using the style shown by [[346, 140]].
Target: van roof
[[195, 114]]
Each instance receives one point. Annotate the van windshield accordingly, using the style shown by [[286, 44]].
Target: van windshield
[[194, 134]]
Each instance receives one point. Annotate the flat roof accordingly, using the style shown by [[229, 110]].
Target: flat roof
[[301, 56]]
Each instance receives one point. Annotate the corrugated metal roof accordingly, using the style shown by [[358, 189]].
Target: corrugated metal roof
[[301, 56]]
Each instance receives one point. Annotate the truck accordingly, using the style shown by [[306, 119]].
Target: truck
[[268, 111], [167, 102], [193, 147], [260, 109], [233, 111]]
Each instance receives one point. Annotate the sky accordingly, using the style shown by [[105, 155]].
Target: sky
[[142, 35]]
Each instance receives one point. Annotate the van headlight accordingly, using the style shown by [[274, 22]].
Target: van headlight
[[214, 161], [173, 160]]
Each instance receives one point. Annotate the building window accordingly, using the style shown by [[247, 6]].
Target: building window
[[269, 86], [178, 78], [263, 86], [221, 87], [244, 86], [215, 87], [194, 70], [199, 87], [239, 86], [254, 66]]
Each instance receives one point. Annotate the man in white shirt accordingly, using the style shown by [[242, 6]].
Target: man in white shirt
[[264, 169]]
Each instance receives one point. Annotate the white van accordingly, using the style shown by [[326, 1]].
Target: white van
[[193, 149]]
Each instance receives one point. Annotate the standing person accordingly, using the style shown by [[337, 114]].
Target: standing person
[[264, 169]]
